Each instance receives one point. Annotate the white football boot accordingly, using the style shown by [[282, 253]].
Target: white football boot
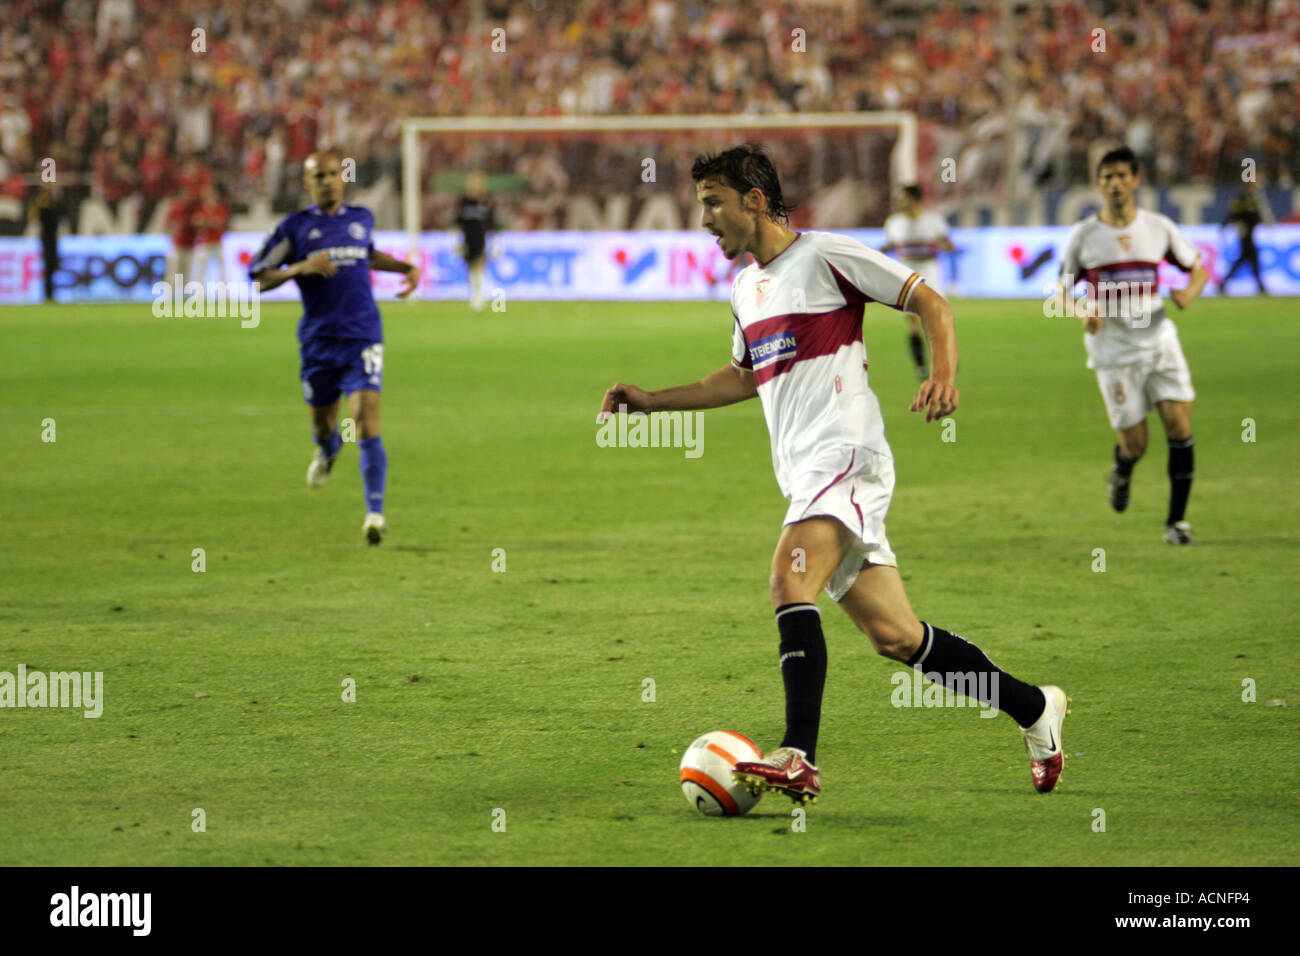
[[318, 472], [375, 527], [1043, 740]]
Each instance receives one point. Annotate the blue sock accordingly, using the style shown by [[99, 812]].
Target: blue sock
[[329, 446], [374, 471]]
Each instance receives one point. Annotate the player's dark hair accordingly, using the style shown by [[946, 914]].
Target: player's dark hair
[[912, 191], [743, 168], [1121, 154]]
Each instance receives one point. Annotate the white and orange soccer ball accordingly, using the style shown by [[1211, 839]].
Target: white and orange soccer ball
[[706, 773]]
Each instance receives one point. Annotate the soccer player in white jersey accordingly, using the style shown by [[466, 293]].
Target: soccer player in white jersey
[[797, 345], [915, 236], [1131, 343]]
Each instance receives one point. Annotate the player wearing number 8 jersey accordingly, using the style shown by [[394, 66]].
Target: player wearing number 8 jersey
[[328, 249], [797, 345], [1131, 343]]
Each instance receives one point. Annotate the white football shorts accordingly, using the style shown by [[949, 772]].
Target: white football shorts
[[1131, 391], [858, 497]]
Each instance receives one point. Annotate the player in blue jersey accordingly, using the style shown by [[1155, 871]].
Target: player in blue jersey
[[328, 249]]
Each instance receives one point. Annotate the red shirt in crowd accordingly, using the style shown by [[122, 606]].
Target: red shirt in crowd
[[155, 175], [210, 220], [180, 223]]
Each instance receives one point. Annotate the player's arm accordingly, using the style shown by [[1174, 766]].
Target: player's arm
[[1180, 252], [317, 264], [938, 227], [878, 279], [726, 386], [1082, 309], [457, 231], [493, 249], [891, 234], [1064, 302], [938, 394], [383, 262], [1183, 297]]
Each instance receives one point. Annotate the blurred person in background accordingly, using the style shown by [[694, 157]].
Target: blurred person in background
[[180, 224], [1246, 212], [210, 218], [191, 183], [475, 219], [156, 175], [915, 236], [47, 209]]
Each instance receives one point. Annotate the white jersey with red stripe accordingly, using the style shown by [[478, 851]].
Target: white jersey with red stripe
[[1121, 267], [915, 241], [798, 328]]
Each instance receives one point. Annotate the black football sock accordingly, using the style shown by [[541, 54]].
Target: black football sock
[[803, 671], [1182, 464], [1124, 465], [918, 349], [958, 664]]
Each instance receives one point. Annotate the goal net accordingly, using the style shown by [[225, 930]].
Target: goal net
[[612, 173]]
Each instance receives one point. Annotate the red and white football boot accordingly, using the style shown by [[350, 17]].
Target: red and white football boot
[[785, 770], [1043, 740]]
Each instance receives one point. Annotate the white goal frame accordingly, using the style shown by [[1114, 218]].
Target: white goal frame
[[903, 159]]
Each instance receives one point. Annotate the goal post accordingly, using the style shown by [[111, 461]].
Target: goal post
[[855, 139]]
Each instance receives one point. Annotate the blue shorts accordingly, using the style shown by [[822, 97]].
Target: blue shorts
[[331, 367]]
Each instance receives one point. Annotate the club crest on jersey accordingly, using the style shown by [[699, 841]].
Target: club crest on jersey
[[772, 348], [1125, 242], [356, 230], [760, 289]]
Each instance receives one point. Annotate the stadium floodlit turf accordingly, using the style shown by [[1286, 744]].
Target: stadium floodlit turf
[[525, 691]]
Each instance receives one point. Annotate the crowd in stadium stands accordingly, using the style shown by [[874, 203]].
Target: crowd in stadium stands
[[119, 91]]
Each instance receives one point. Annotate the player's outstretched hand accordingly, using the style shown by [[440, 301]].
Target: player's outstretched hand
[[1089, 313], [635, 400], [410, 282], [937, 398], [318, 264], [1180, 298]]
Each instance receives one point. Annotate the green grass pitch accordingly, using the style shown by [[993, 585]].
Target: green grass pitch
[[479, 691]]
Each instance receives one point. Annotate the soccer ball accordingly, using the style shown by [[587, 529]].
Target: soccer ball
[[706, 773]]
